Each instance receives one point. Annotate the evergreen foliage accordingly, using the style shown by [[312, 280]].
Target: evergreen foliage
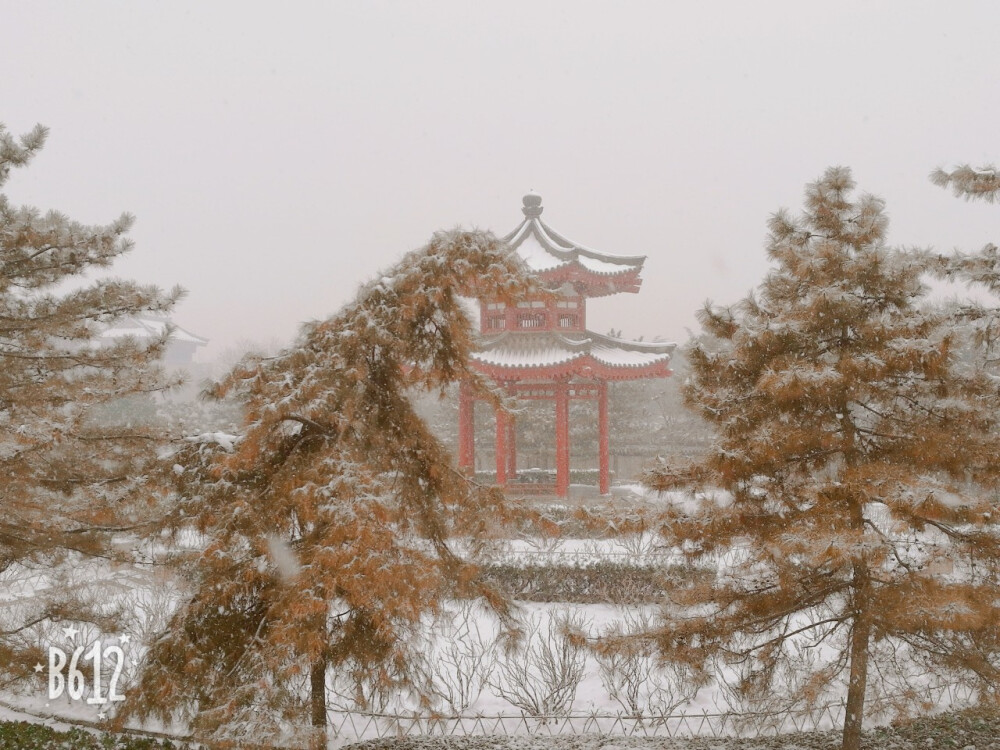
[[326, 522], [851, 495], [980, 269], [70, 477], [970, 183]]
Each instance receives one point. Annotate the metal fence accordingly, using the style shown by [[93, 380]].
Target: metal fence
[[348, 727], [354, 726]]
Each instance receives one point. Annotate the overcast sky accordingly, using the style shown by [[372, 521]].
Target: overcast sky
[[276, 155]]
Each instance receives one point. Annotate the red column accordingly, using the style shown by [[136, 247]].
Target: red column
[[603, 440], [562, 439], [502, 451], [511, 448], [466, 429]]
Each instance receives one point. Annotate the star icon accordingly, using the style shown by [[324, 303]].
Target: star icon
[[70, 632], [102, 716], [124, 639], [39, 667]]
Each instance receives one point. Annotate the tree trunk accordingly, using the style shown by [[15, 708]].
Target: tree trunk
[[860, 637], [317, 700], [854, 712]]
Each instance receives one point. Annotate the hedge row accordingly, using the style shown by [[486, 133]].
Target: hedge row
[[607, 520], [596, 582], [24, 736]]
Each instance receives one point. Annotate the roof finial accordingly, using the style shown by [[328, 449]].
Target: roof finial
[[532, 205]]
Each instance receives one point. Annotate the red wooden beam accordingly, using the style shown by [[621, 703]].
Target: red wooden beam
[[511, 448], [604, 452], [466, 429], [501, 449], [562, 440]]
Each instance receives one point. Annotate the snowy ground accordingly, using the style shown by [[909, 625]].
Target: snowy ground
[[475, 682]]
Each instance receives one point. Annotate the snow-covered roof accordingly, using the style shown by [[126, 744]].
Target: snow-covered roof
[[544, 250], [149, 327], [572, 353]]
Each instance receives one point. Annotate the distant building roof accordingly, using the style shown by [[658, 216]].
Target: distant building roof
[[150, 326], [180, 348]]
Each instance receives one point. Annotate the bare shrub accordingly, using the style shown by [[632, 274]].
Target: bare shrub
[[154, 609], [641, 540], [354, 687], [542, 679], [462, 662], [635, 677], [639, 544], [796, 681], [547, 542]]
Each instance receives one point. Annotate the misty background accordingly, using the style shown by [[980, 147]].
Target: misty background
[[278, 155]]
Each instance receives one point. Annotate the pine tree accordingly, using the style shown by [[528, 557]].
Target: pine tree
[[69, 477], [857, 458], [327, 524]]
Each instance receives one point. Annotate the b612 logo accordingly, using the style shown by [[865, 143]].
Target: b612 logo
[[71, 677]]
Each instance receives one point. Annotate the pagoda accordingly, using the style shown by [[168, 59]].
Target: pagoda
[[540, 348]]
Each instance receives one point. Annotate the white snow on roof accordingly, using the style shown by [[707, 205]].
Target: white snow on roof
[[544, 249], [623, 358], [527, 356], [541, 350], [540, 257], [537, 257], [600, 266]]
